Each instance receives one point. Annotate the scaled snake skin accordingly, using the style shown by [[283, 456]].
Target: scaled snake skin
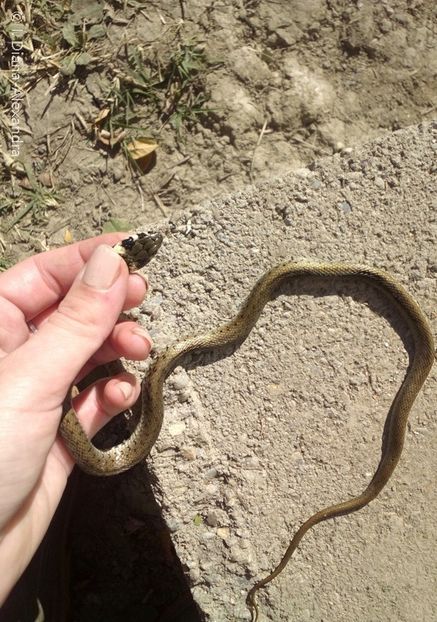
[[137, 251]]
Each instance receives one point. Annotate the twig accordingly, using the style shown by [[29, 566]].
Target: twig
[[160, 205], [182, 5], [260, 137]]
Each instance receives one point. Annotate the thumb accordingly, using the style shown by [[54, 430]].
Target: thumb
[[77, 329]]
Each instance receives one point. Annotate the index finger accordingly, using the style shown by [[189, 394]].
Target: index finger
[[40, 281]]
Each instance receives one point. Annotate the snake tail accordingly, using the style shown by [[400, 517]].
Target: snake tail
[[394, 428]]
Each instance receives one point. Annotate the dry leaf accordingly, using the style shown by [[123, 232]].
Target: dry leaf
[[143, 151], [25, 183], [45, 179], [68, 236], [140, 148], [103, 113]]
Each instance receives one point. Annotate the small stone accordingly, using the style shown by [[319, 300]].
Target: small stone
[[117, 171], [212, 518], [211, 473], [194, 575], [288, 220], [211, 490], [345, 207], [135, 313], [207, 535], [301, 198], [174, 429], [180, 381], [231, 497], [288, 35], [315, 184], [223, 532], [385, 25], [251, 462], [184, 396], [206, 564], [380, 183], [155, 312], [240, 555], [173, 525]]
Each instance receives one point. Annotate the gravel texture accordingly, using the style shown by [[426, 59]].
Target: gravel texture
[[256, 442]]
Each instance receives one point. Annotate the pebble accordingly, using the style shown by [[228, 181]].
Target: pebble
[[207, 535], [184, 396], [385, 25], [315, 184], [251, 462], [206, 564], [180, 380], [211, 490], [194, 575], [173, 524], [380, 183], [240, 555], [117, 171], [174, 429], [201, 596], [223, 533], [212, 518], [345, 207], [288, 221], [135, 313], [211, 473], [301, 198]]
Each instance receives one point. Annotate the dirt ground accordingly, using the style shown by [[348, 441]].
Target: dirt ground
[[286, 82], [281, 85]]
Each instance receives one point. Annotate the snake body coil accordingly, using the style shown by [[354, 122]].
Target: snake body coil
[[139, 444]]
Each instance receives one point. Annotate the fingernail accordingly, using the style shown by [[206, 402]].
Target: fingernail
[[102, 268], [143, 334], [126, 389]]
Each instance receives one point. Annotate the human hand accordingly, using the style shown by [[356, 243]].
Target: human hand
[[72, 296]]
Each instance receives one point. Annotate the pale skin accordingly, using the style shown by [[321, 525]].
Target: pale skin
[[59, 316]]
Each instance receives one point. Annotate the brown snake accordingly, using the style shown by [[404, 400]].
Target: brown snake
[[138, 445]]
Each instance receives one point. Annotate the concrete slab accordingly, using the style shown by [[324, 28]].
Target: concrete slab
[[254, 443]]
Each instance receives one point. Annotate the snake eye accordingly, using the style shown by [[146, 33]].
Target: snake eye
[[128, 243]]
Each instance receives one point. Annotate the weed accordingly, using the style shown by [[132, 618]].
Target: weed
[[30, 198], [145, 87]]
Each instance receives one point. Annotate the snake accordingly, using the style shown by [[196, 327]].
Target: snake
[[137, 250]]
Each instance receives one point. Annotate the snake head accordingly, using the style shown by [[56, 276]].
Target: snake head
[[138, 249]]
